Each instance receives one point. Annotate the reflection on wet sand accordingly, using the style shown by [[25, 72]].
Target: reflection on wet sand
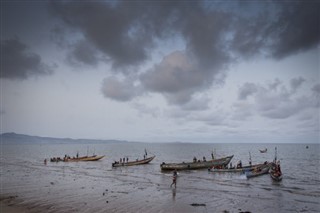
[[174, 194]]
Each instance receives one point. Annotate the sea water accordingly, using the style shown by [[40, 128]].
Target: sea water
[[97, 187]]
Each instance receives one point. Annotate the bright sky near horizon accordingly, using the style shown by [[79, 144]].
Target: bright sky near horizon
[[161, 71]]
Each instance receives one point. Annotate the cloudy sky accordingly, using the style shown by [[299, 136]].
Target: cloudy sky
[[162, 71]]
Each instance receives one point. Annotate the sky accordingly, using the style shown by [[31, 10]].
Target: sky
[[162, 71]]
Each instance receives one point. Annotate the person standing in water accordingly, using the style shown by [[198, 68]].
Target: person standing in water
[[174, 178]]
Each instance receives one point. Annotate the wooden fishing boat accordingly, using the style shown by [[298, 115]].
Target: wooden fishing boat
[[275, 172], [234, 169], [196, 165], [257, 171], [263, 150], [77, 159], [133, 163], [84, 158]]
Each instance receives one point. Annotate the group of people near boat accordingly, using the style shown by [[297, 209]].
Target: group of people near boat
[[65, 158], [122, 160], [203, 158], [195, 160], [126, 159], [277, 168]]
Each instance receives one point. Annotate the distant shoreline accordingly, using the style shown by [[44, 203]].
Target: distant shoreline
[[11, 137], [27, 139]]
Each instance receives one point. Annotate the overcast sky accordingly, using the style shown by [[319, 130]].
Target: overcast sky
[[162, 71]]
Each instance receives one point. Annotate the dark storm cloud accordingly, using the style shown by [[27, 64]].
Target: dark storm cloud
[[297, 27], [17, 62], [124, 31], [215, 35], [284, 28], [83, 52], [176, 77]]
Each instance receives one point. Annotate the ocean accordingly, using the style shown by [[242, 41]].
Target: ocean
[[97, 187]]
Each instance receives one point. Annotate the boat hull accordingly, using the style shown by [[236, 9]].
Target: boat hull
[[89, 158], [258, 171], [196, 165], [134, 163], [275, 176], [235, 170]]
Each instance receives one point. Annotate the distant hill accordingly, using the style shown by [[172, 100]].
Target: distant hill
[[12, 137]]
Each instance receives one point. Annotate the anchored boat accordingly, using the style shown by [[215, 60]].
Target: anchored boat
[[133, 163], [197, 165], [235, 169], [76, 159], [257, 171]]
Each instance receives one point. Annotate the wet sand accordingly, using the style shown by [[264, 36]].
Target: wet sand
[[13, 204], [33, 187], [9, 205]]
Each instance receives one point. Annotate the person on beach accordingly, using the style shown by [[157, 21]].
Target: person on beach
[[174, 179]]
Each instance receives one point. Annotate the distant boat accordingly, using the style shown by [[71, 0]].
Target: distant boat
[[307, 147], [257, 171], [197, 165], [263, 151], [133, 163]]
